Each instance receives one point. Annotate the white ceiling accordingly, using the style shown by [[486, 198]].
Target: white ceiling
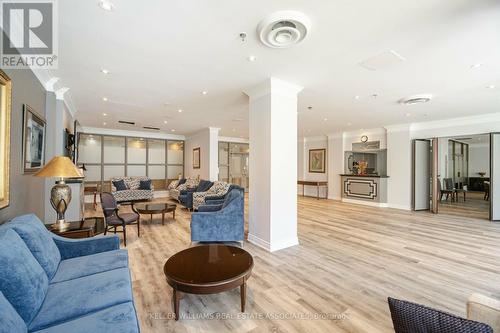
[[170, 51]]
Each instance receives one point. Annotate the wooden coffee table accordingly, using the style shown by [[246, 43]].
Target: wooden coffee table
[[208, 269], [151, 208]]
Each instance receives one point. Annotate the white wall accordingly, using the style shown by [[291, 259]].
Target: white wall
[[208, 142], [479, 159], [303, 147], [399, 168]]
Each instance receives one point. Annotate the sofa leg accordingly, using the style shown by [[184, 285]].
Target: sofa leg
[[124, 235]]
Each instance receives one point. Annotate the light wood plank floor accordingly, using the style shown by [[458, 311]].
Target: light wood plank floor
[[350, 259], [474, 206]]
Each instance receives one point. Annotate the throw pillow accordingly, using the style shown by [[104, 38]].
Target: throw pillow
[[145, 184], [120, 185], [173, 184]]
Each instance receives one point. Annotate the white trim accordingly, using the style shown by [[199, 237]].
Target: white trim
[[315, 138], [139, 134], [231, 139], [454, 122], [369, 131], [365, 203], [398, 128], [336, 198], [401, 207], [337, 135], [276, 245], [61, 92], [275, 86]]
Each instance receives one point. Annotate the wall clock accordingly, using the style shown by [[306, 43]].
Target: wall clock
[[364, 138]]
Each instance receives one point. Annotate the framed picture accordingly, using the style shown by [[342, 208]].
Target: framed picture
[[196, 158], [33, 140], [317, 160], [5, 111]]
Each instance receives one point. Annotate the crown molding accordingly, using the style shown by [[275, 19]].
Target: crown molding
[[316, 138], [128, 133], [398, 128], [455, 122], [233, 140], [369, 131]]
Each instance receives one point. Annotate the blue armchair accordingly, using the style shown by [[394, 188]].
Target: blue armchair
[[186, 196], [220, 222]]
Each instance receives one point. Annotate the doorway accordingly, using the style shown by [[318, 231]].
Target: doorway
[[451, 175], [233, 163]]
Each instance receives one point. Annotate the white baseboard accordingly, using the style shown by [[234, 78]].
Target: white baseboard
[[402, 207], [276, 246], [334, 198], [365, 203]]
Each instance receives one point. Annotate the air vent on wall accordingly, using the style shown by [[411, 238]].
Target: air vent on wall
[[151, 128], [126, 122]]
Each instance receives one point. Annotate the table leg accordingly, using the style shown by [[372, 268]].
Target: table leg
[[243, 294], [176, 298], [162, 218]]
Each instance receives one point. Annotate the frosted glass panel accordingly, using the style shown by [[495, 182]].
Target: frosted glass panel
[[156, 171], [136, 170], [114, 149], [93, 173], [136, 151], [173, 171], [89, 149], [156, 152], [111, 171], [175, 152]]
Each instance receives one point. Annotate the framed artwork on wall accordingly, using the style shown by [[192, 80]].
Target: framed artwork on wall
[[317, 160], [5, 112], [196, 158], [33, 140]]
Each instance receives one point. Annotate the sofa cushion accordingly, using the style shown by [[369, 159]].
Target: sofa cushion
[[10, 320], [23, 281], [117, 318], [82, 296], [87, 265], [132, 195], [120, 185], [39, 240], [145, 184]]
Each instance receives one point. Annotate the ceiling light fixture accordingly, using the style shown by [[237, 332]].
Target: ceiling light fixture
[[104, 123], [408, 114], [104, 114], [204, 92], [325, 119], [104, 71], [416, 99], [356, 97], [106, 5], [105, 99], [491, 86], [165, 122], [180, 110], [476, 66], [173, 130], [283, 28], [251, 58]]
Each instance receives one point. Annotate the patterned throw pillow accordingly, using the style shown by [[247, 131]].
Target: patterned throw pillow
[[145, 184], [173, 184], [120, 185]]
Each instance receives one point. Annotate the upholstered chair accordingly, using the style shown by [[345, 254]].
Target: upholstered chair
[[186, 196], [222, 222], [218, 189], [115, 219]]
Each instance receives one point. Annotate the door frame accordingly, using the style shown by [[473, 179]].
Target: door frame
[[413, 198]]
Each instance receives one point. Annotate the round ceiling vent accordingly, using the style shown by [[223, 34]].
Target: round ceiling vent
[[416, 99], [283, 29]]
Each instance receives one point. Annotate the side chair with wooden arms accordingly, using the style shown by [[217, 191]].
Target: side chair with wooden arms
[[114, 219]]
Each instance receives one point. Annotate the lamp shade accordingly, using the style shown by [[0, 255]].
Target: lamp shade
[[59, 167]]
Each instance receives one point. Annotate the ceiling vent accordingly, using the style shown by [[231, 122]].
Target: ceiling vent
[[151, 128], [126, 122], [416, 99], [383, 60], [283, 29]]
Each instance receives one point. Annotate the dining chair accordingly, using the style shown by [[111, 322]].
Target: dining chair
[[114, 219]]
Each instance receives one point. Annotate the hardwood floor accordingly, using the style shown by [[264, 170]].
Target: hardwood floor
[[475, 206], [350, 259]]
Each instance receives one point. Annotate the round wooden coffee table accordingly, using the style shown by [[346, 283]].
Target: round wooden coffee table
[[151, 208], [208, 269]]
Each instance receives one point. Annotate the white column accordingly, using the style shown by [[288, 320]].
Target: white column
[[399, 166], [273, 164], [213, 171], [335, 165]]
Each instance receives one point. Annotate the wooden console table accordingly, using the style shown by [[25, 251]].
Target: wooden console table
[[305, 183]]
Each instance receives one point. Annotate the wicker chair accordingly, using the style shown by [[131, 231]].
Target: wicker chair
[[409, 317]]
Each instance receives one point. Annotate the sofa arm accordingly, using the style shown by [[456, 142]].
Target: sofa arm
[[71, 248], [216, 227], [209, 208], [485, 310], [214, 202]]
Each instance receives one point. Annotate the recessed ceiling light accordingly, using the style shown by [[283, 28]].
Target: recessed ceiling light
[[180, 110], [408, 114], [104, 71], [356, 97], [104, 123], [105, 99], [165, 122], [106, 5], [251, 58], [104, 114], [491, 86], [173, 130], [475, 66], [204, 92], [325, 119]]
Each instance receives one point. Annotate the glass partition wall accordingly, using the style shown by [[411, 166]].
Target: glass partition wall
[[233, 163], [106, 157]]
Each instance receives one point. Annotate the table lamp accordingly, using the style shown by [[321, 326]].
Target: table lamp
[[60, 196]]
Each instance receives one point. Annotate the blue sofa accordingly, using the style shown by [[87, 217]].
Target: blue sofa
[[52, 284], [186, 196], [221, 222]]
